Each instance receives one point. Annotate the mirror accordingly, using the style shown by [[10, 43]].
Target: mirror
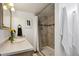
[[8, 8], [1, 15], [6, 18]]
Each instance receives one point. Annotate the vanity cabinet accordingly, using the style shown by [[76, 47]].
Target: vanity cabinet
[[1, 15]]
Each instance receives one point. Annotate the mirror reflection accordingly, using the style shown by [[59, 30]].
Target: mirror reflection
[[8, 8]]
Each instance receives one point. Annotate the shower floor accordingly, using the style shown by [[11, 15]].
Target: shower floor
[[47, 51]]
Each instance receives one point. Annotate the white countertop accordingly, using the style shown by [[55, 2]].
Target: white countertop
[[20, 45]]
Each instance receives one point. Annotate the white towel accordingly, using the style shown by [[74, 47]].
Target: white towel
[[75, 34], [70, 33], [65, 34]]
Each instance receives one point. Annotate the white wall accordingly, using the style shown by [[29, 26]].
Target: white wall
[[36, 40], [20, 17], [58, 9]]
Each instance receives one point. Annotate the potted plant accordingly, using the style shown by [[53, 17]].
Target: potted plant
[[12, 32]]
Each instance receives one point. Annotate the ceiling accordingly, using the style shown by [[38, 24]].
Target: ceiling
[[30, 7]]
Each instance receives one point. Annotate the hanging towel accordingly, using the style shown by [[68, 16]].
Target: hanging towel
[[65, 34], [75, 34]]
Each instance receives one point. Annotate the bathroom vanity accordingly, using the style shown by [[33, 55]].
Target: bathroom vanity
[[21, 46]]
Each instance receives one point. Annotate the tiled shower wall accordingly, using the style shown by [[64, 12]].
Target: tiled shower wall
[[46, 26]]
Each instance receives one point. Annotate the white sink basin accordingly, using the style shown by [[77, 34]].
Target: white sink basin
[[19, 39]]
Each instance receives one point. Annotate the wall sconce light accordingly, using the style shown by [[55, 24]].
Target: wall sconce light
[[4, 7], [8, 6]]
